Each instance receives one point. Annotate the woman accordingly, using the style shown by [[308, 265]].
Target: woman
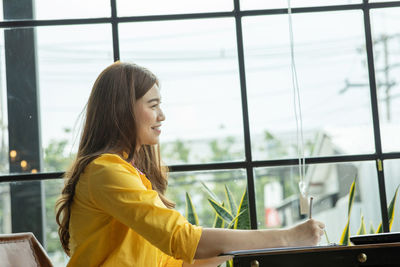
[[113, 211]]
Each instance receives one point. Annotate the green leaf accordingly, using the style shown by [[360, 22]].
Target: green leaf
[[229, 263], [191, 214], [218, 222], [351, 196], [211, 193], [221, 211], [231, 225], [371, 228], [231, 201], [243, 221], [379, 229], [345, 238], [391, 208], [362, 230]]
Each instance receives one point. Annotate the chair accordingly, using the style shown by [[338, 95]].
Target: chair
[[22, 250]]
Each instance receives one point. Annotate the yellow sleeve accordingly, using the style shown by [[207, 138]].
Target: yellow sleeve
[[168, 261], [116, 188]]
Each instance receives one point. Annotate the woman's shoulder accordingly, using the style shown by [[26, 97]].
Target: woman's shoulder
[[109, 159], [108, 162], [112, 170]]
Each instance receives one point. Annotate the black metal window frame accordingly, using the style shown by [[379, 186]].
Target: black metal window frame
[[248, 164]]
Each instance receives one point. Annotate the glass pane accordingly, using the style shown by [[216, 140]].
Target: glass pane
[[180, 183], [56, 9], [21, 95], [196, 62], [5, 209], [262, 4], [277, 196], [333, 83], [392, 182], [159, 7], [52, 190], [69, 59], [4, 150], [60, 9], [386, 38]]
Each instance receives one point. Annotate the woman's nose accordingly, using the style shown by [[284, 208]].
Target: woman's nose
[[161, 115]]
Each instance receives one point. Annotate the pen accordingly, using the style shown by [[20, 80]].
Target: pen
[[310, 216], [310, 212]]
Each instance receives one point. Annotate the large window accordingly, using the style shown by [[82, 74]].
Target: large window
[[227, 92]]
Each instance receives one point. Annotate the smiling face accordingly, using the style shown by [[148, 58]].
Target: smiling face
[[149, 117]]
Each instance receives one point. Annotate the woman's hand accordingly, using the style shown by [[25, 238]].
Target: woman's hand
[[305, 234]]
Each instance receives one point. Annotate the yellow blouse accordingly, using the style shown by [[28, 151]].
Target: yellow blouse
[[118, 220]]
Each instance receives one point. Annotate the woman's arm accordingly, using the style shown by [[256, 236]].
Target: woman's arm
[[213, 241], [211, 262]]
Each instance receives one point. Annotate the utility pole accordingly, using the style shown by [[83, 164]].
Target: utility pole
[[386, 70], [387, 83]]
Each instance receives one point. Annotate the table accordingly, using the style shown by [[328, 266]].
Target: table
[[372, 255]]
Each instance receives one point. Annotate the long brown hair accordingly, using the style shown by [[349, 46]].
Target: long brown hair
[[110, 127]]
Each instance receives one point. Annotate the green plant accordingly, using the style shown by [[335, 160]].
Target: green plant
[[228, 215], [191, 214], [362, 230], [390, 212], [345, 237]]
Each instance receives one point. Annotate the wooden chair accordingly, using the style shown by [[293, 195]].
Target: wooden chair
[[22, 250]]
